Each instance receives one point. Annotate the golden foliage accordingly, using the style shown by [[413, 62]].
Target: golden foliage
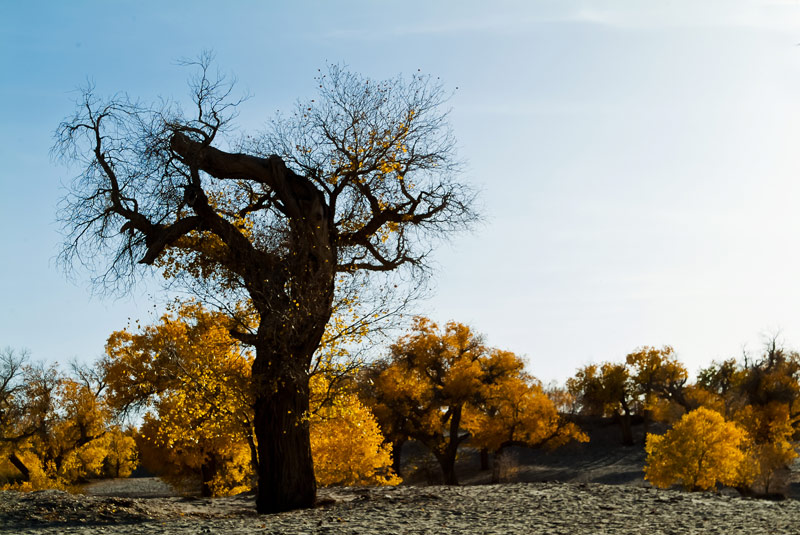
[[69, 435], [194, 377], [604, 390], [700, 451], [222, 467], [771, 446], [443, 386], [657, 377], [516, 411], [346, 442], [763, 397], [43, 475], [122, 457], [430, 373]]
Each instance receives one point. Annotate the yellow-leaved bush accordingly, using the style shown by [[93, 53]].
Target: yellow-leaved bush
[[346, 442], [699, 452], [771, 445]]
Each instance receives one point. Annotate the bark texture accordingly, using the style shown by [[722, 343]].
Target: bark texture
[[286, 471]]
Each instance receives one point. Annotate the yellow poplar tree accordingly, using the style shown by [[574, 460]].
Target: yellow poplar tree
[[659, 380], [421, 390], [771, 444], [443, 386], [700, 451], [192, 377], [606, 390]]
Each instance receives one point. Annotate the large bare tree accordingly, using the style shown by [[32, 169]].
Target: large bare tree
[[358, 181]]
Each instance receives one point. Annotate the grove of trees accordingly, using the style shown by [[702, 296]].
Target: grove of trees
[[738, 425], [441, 386], [648, 379], [288, 241], [56, 428], [189, 380]]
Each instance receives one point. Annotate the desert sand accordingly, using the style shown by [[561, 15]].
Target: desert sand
[[552, 508]]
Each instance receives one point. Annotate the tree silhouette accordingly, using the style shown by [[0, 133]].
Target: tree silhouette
[[354, 182]]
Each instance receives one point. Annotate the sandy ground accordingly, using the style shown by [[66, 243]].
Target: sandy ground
[[552, 508]]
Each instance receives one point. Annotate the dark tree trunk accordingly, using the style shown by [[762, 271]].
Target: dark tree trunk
[[207, 472], [293, 321], [484, 459], [285, 467], [397, 450], [447, 461], [496, 467], [17, 462], [447, 458], [624, 421]]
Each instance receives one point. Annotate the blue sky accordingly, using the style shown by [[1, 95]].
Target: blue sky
[[638, 161]]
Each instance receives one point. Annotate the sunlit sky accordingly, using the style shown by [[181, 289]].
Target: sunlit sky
[[639, 162]]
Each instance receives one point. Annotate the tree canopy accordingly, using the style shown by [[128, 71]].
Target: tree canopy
[[443, 386], [701, 450]]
